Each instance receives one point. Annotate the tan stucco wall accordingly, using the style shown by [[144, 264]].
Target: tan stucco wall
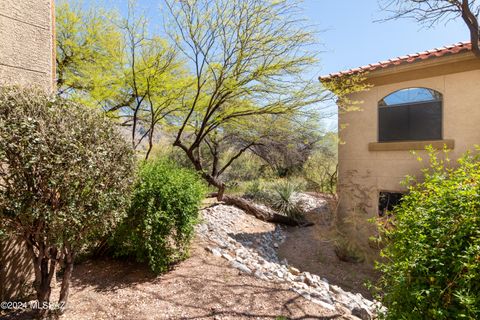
[[363, 173], [26, 58], [16, 271], [26, 50]]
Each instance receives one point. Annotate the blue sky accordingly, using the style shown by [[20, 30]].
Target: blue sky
[[352, 38], [349, 36]]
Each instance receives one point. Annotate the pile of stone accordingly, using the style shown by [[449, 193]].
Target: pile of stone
[[309, 203], [250, 246]]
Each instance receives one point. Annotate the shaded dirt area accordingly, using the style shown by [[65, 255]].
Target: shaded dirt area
[[312, 249], [202, 287]]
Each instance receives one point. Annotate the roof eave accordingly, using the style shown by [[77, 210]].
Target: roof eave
[[461, 51]]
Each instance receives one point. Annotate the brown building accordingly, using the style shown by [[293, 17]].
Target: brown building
[[427, 98], [27, 52], [27, 46]]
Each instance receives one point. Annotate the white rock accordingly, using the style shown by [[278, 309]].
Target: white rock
[[216, 252], [260, 275], [258, 256], [241, 267], [362, 313], [279, 274], [227, 256], [323, 304]]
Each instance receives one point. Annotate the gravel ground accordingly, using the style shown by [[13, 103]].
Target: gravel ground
[[251, 246]]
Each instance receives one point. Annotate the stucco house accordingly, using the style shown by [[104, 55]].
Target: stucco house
[[27, 57], [427, 98]]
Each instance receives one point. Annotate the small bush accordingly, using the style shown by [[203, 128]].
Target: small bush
[[278, 195], [321, 168], [161, 220], [255, 190], [432, 265], [347, 251]]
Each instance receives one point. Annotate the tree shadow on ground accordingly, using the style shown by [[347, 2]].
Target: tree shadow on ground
[[313, 249], [202, 287], [262, 242]]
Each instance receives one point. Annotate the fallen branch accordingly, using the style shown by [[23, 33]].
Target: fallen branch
[[262, 214]]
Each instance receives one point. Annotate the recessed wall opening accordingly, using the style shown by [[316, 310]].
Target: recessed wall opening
[[387, 201]]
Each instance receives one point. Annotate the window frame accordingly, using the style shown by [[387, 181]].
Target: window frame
[[440, 101]]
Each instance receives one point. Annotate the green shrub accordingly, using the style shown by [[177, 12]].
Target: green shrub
[[161, 220], [255, 190], [250, 167], [320, 170], [64, 173], [432, 258]]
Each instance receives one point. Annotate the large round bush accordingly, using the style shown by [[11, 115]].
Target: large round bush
[[432, 260], [162, 216], [65, 175]]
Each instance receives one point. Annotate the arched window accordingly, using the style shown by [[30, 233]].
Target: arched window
[[410, 114]]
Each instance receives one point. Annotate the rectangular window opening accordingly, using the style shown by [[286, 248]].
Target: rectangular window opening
[[410, 122], [387, 202]]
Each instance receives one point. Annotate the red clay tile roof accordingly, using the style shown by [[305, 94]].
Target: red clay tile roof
[[437, 52]]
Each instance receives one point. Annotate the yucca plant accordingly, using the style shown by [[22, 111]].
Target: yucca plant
[[283, 200]]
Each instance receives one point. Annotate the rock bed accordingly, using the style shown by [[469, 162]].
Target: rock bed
[[250, 246], [309, 203]]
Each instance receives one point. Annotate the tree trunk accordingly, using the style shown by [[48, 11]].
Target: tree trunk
[[471, 20], [48, 266], [36, 262], [262, 214], [67, 276], [43, 294], [221, 192]]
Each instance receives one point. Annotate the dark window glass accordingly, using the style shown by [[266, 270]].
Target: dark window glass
[[387, 201], [410, 114]]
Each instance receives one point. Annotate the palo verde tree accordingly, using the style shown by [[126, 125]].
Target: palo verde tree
[[224, 145], [65, 176], [282, 142], [89, 52], [153, 80], [247, 59], [431, 12], [120, 65]]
